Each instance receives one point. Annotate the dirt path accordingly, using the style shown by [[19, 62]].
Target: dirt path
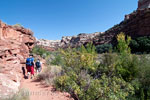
[[38, 91]]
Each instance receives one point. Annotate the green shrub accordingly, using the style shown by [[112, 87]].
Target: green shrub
[[79, 59], [40, 51], [144, 76], [118, 76], [127, 67], [140, 44], [80, 77], [104, 48], [126, 63], [56, 59], [106, 88], [135, 69], [134, 45], [123, 44]]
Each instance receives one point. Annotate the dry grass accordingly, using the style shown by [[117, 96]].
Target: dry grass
[[21, 95], [49, 74]]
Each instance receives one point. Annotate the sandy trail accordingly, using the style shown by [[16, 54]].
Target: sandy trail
[[39, 91]]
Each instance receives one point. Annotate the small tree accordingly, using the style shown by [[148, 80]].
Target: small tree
[[123, 43], [127, 63]]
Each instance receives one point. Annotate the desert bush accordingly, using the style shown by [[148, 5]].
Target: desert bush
[[140, 44], [118, 76], [84, 58], [104, 48], [134, 46], [144, 77], [123, 44], [132, 68], [56, 59], [126, 64], [127, 67], [40, 51], [49, 74], [82, 78], [105, 88]]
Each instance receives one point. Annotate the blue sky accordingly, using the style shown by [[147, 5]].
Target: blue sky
[[52, 19]]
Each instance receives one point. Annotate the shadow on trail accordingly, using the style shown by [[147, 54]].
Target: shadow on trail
[[41, 84], [24, 73]]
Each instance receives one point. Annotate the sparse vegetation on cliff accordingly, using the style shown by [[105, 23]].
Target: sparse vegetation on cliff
[[17, 25]]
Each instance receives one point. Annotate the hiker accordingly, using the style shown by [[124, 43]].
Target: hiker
[[38, 66], [30, 66]]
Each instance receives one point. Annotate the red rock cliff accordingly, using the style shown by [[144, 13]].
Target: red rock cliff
[[15, 44]]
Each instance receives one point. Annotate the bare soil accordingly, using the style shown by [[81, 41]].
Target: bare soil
[[39, 91]]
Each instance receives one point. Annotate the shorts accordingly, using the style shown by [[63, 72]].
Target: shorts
[[38, 69], [30, 69]]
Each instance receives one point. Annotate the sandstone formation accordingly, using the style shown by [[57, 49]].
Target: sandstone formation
[[50, 45], [15, 44], [142, 4], [78, 40], [135, 24], [68, 41]]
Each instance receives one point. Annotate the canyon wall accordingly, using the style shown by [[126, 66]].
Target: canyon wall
[[136, 24], [142, 4], [15, 44], [68, 41]]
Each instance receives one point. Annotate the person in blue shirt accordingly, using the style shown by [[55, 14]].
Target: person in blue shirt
[[30, 66], [38, 67]]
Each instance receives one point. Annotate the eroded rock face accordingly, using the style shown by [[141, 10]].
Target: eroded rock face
[[15, 44], [81, 39], [48, 43], [68, 41], [143, 4], [136, 24]]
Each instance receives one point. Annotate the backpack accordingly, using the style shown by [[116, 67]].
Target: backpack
[[29, 61], [38, 64]]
